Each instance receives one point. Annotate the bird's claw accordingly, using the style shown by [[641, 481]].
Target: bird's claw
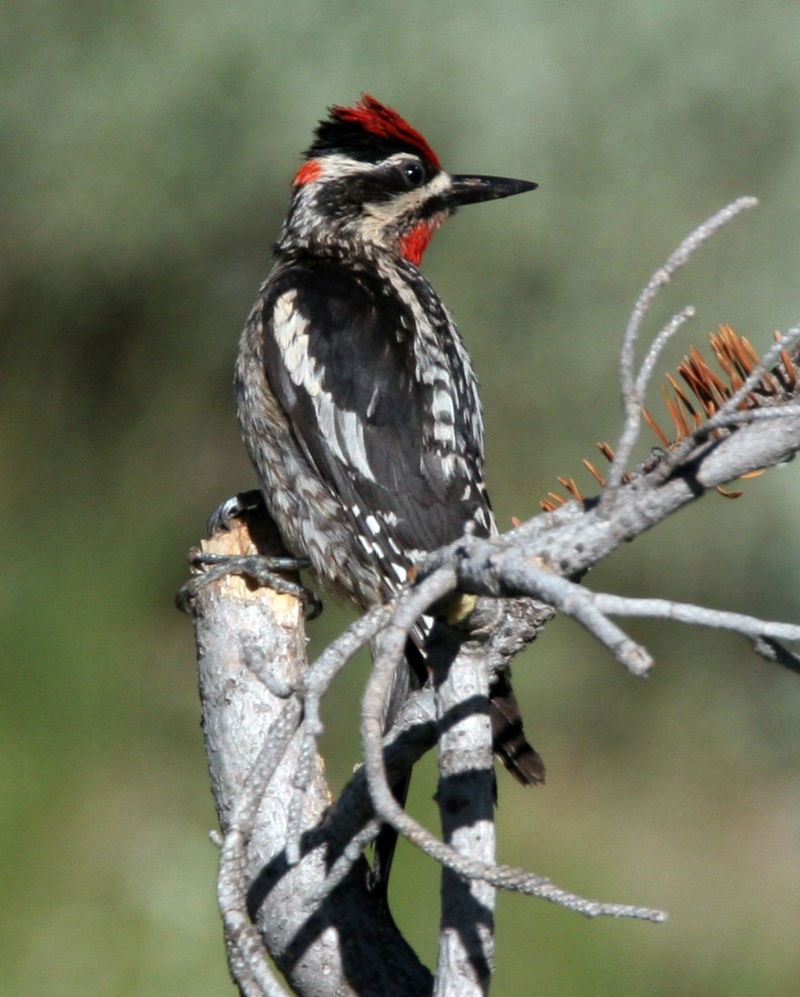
[[262, 568], [233, 508]]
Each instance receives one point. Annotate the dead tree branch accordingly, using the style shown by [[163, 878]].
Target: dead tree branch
[[345, 943], [293, 879]]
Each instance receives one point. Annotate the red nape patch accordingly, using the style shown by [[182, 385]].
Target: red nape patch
[[308, 171], [386, 123], [413, 245]]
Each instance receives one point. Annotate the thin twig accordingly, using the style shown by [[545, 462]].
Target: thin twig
[[344, 863], [246, 951], [263, 768], [759, 414], [656, 349], [306, 760], [327, 666], [232, 884], [415, 602], [629, 380], [682, 612], [352, 816], [521, 575], [312, 687]]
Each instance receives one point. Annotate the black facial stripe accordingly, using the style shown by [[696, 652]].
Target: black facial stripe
[[348, 194], [434, 206]]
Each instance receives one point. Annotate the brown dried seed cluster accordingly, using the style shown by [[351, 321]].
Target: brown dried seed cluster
[[703, 393]]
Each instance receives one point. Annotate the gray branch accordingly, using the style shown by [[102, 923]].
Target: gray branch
[[293, 885], [466, 800], [345, 943]]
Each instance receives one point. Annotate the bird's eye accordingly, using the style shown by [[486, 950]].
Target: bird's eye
[[413, 173]]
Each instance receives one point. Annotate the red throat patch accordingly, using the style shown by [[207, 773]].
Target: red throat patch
[[415, 242]]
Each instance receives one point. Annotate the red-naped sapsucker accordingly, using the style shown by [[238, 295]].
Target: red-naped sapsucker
[[357, 399]]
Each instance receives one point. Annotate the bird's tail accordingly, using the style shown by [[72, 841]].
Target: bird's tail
[[508, 740], [510, 745], [508, 737]]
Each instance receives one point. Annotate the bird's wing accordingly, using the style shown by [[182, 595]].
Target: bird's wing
[[339, 358]]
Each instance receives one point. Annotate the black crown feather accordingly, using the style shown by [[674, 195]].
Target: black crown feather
[[369, 131]]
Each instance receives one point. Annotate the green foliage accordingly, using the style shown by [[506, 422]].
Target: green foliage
[[145, 155]]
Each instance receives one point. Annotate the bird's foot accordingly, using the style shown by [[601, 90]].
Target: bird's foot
[[261, 568], [236, 507]]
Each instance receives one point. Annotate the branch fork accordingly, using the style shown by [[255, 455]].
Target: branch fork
[[293, 880]]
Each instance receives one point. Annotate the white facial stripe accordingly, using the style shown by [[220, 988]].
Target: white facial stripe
[[378, 217], [335, 165], [385, 212]]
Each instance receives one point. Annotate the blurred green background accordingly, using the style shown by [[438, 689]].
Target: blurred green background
[[146, 150]]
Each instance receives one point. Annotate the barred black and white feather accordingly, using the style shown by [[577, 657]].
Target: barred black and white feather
[[356, 396], [374, 404]]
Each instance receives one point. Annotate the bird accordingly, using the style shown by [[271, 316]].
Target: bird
[[356, 396]]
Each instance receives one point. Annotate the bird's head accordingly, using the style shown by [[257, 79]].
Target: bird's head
[[371, 180]]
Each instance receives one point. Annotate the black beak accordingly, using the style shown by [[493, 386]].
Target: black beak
[[470, 190]]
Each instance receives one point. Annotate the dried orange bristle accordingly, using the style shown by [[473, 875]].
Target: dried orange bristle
[[606, 450], [651, 422], [736, 358], [598, 477], [572, 488]]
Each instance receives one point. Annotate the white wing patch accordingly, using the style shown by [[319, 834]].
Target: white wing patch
[[350, 435], [400, 571], [443, 405], [340, 427]]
